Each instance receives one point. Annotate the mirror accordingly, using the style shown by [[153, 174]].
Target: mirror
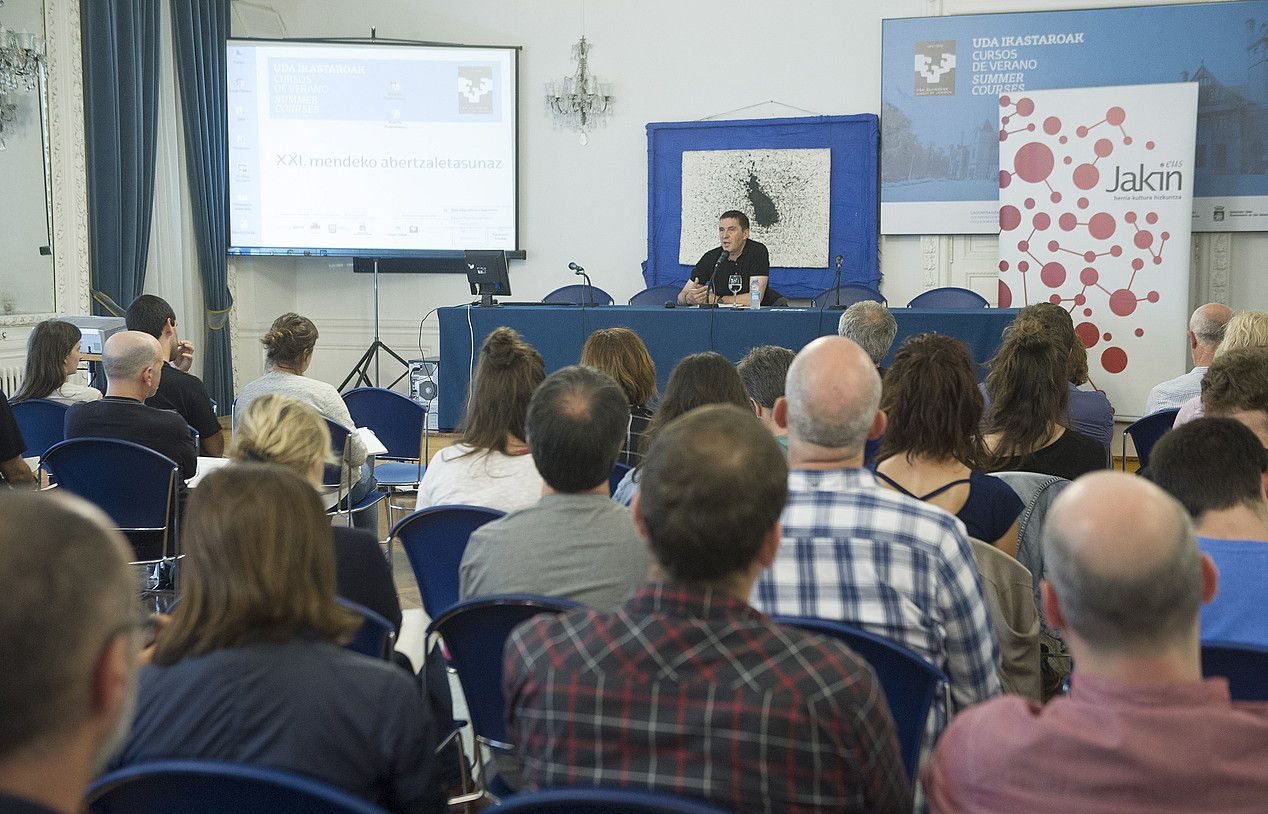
[[27, 283]]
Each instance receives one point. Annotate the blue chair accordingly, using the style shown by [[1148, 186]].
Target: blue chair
[[618, 474], [333, 474], [910, 682], [375, 636], [656, 295], [850, 294], [578, 295], [1245, 667], [949, 297], [42, 423], [434, 539], [212, 787], [136, 486], [1146, 431], [602, 801], [398, 422], [475, 634]]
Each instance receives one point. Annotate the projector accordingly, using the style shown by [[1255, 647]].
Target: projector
[[95, 330]]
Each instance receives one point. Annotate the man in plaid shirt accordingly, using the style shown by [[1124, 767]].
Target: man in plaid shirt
[[856, 552], [686, 689]]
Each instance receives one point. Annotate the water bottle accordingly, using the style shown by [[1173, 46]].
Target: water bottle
[[754, 296]]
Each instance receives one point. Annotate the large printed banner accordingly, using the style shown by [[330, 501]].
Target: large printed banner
[[1095, 195], [941, 77]]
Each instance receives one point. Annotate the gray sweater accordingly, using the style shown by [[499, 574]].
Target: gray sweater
[[321, 396]]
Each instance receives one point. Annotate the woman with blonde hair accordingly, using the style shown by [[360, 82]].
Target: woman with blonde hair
[[620, 353], [250, 668], [1247, 329], [490, 465], [52, 357]]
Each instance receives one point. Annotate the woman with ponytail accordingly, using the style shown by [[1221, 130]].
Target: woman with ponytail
[[490, 465]]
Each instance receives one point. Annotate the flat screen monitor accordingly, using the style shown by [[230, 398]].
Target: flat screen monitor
[[487, 274]]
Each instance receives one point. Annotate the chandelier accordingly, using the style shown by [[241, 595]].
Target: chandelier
[[21, 58], [579, 101]]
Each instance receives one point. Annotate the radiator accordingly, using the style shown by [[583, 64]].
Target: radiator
[[10, 379]]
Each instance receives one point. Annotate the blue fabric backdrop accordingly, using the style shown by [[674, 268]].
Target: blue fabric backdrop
[[853, 213]]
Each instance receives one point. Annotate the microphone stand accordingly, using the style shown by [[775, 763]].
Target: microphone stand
[[836, 291], [709, 283], [589, 286]]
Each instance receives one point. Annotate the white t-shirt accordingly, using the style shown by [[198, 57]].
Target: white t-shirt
[[486, 478], [74, 392]]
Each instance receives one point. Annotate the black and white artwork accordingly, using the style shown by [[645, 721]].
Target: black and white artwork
[[785, 194]]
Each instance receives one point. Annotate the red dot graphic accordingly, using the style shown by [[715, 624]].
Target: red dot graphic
[[1107, 336], [1079, 299], [1003, 265], [1005, 295], [1003, 135], [1138, 264], [1005, 178], [1151, 218], [1029, 203], [1063, 139], [1025, 106], [1157, 260], [1080, 131], [1122, 302], [1115, 116], [1089, 256], [1116, 251], [1041, 221], [1130, 217], [1089, 276], [1114, 360], [1166, 235], [1052, 274], [1055, 197], [1023, 245], [1086, 176], [1087, 312], [1009, 218], [1103, 147], [1033, 162], [1127, 139], [1055, 299], [1067, 160], [1152, 296], [1004, 101], [1068, 221], [1101, 226], [1149, 145], [1052, 125], [1143, 239], [1005, 120], [1082, 203], [1053, 245], [1140, 332], [1088, 333], [1023, 266]]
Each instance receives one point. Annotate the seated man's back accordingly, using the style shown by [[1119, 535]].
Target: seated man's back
[[126, 419]]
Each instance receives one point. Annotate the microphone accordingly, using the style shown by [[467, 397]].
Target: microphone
[[581, 272], [837, 286]]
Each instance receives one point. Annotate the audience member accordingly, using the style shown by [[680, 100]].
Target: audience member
[[865, 555], [872, 327], [763, 371], [134, 364], [249, 668], [1236, 386], [1247, 330], [697, 380], [932, 450], [282, 430], [52, 357], [14, 471], [67, 636], [1029, 403], [1089, 412], [290, 343], [574, 542], [491, 465], [179, 389], [1216, 468], [620, 353], [686, 688], [1206, 331], [1140, 729]]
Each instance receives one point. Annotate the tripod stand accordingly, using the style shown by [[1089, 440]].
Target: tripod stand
[[361, 370]]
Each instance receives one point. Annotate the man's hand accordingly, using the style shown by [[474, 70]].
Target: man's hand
[[16, 472], [694, 293], [184, 355]]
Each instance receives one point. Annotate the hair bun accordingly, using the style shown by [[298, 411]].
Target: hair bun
[[1031, 335], [503, 347]]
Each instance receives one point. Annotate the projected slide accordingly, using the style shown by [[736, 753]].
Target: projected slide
[[370, 149]]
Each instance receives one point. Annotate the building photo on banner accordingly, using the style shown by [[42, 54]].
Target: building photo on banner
[[941, 77], [1095, 196]]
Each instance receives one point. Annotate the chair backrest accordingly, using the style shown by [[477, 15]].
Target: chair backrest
[[42, 423], [910, 682], [211, 787], [1245, 667], [656, 295], [578, 295], [134, 485], [949, 297], [332, 475], [376, 634], [618, 474], [1037, 492], [395, 419], [601, 801], [850, 294], [1146, 431], [434, 539], [1007, 585], [475, 633]]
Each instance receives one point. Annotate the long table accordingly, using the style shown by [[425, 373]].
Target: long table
[[558, 333]]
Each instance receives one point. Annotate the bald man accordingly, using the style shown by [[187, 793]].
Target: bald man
[[854, 551], [1206, 331], [1140, 731], [134, 362]]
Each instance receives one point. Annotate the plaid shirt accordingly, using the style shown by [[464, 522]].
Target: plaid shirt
[[689, 692], [890, 564]]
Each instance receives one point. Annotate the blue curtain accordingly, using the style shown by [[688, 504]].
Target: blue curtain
[[121, 73], [200, 28]]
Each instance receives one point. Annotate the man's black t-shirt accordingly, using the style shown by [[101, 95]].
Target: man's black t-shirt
[[163, 431], [11, 443], [185, 394], [754, 261]]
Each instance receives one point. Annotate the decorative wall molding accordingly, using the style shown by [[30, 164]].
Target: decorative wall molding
[[1219, 267], [930, 261]]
